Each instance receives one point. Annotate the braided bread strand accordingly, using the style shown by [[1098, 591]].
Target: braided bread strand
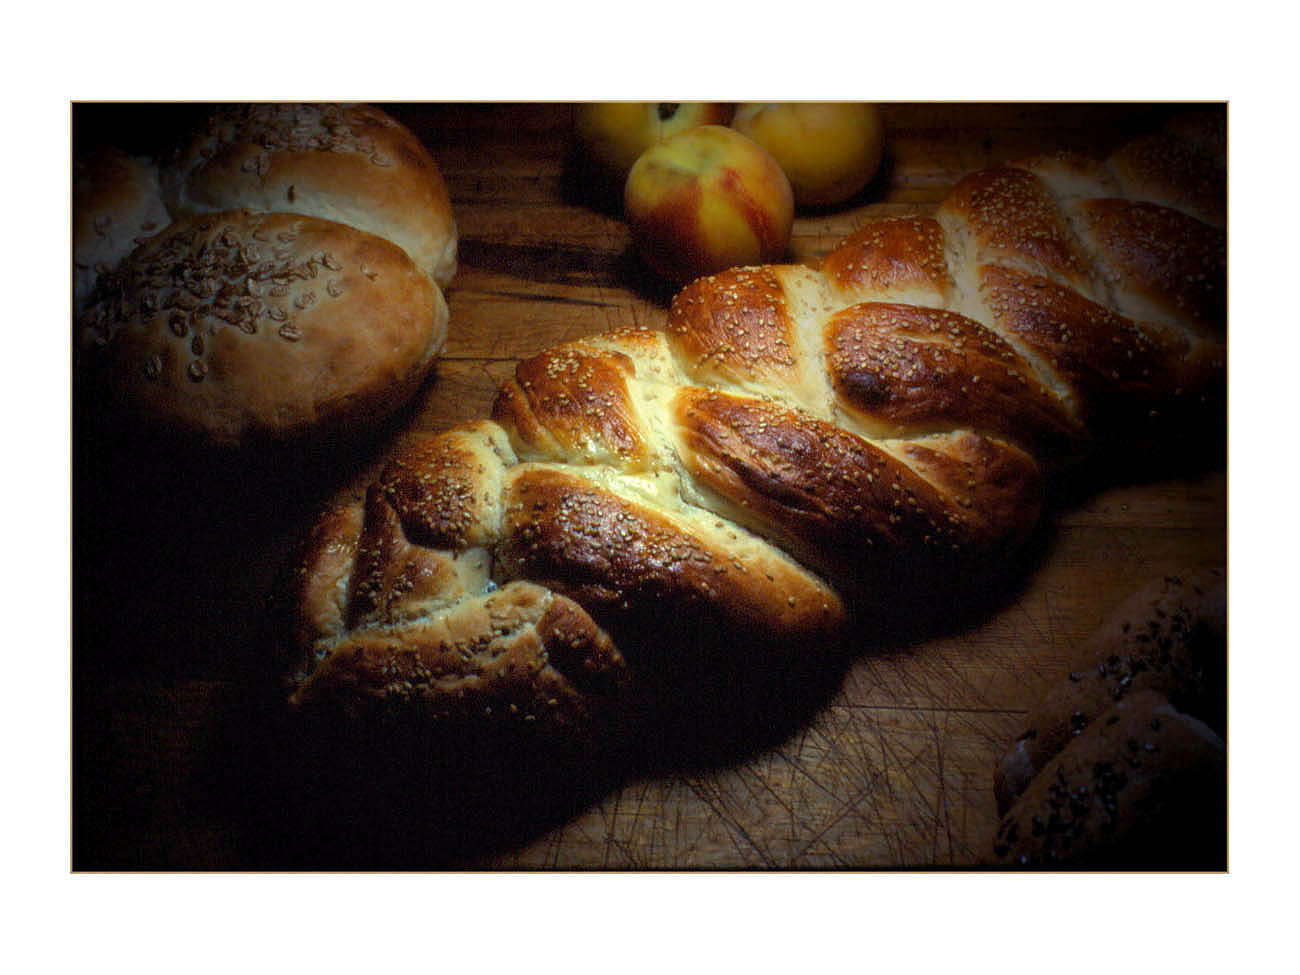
[[791, 438]]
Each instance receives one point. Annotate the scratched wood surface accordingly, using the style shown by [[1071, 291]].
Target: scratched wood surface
[[176, 557]]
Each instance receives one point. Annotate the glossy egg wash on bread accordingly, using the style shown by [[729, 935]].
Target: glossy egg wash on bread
[[793, 442]]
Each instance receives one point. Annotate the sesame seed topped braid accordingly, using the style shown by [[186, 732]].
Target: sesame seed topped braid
[[791, 440]]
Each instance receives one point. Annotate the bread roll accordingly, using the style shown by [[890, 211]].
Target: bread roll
[[116, 204], [240, 326], [1144, 787], [352, 164], [1169, 637], [283, 303]]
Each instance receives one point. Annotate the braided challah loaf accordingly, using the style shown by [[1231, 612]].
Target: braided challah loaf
[[761, 469], [277, 276]]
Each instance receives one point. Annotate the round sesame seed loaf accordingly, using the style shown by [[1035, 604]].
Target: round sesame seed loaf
[[242, 326], [352, 164], [284, 302]]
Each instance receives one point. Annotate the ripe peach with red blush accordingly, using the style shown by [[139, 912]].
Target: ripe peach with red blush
[[705, 200]]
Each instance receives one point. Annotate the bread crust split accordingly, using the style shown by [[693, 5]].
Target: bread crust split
[[351, 164], [796, 439]]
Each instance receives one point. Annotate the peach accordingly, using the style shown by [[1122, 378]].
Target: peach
[[828, 150], [613, 134], [705, 200]]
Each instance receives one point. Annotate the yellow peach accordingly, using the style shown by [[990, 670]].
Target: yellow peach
[[614, 134], [705, 200], [828, 150]]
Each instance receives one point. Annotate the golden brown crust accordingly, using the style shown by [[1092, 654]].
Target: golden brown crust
[[1182, 169], [393, 579], [987, 493], [840, 495], [1069, 175], [1113, 368], [256, 336], [620, 558], [446, 490], [1161, 265], [793, 441], [734, 328], [906, 371], [1015, 220], [517, 655], [237, 326], [320, 594], [892, 259], [384, 623], [351, 164], [570, 400]]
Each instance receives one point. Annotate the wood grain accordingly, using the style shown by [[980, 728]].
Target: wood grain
[[176, 561]]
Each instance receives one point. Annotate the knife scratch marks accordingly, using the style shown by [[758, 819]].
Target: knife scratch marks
[[941, 810], [897, 783], [611, 835], [851, 804], [644, 826], [736, 830]]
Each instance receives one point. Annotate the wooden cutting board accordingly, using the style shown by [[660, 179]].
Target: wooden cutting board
[[888, 766]]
